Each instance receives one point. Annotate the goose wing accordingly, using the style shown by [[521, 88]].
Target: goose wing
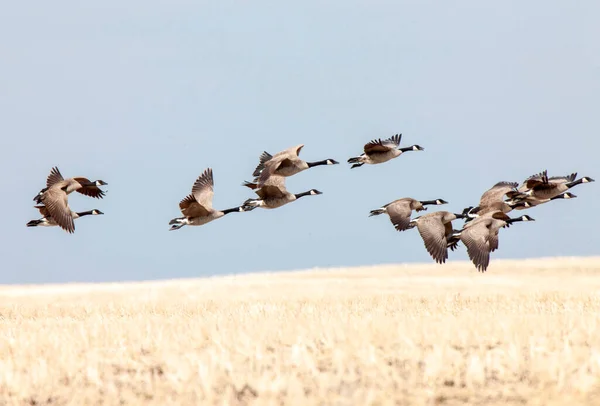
[[54, 177], [496, 193], [203, 189], [264, 157], [399, 212], [190, 207], [476, 240], [274, 187], [380, 145], [271, 166], [91, 191], [57, 205], [433, 233]]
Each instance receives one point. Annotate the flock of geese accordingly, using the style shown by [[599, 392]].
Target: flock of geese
[[479, 233]]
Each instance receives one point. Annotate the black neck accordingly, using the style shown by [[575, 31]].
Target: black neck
[[85, 213], [232, 210], [299, 195], [428, 202], [406, 149], [575, 183], [317, 163], [510, 221], [460, 216]]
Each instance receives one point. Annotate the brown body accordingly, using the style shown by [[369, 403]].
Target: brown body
[[284, 163], [55, 196], [400, 210], [197, 206], [273, 194], [379, 151]]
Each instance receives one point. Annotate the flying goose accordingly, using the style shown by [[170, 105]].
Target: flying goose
[[435, 229], [493, 198], [480, 236], [284, 163], [77, 184], [532, 202], [273, 194], [197, 207], [379, 151], [48, 221], [400, 210], [541, 187], [55, 196], [554, 179]]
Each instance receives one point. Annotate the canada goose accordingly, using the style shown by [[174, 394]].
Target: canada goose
[[492, 199], [400, 210], [197, 207], [481, 236], [435, 229], [48, 221], [541, 187], [554, 179], [379, 151], [55, 196], [532, 202], [284, 163], [273, 194], [77, 184]]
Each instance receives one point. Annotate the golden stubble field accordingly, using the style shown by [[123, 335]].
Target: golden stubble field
[[526, 332]]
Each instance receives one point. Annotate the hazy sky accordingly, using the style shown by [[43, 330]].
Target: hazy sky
[[147, 94]]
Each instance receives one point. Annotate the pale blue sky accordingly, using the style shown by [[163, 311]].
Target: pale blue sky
[[147, 94]]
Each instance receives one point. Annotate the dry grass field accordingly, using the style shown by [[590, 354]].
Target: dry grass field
[[524, 333]]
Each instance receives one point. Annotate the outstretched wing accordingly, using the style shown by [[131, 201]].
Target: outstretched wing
[[264, 157], [91, 191], [271, 167], [496, 193], [433, 233], [54, 177], [203, 190], [476, 240], [57, 204], [399, 213], [380, 145], [191, 208]]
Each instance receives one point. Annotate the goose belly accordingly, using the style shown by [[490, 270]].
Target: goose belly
[[381, 157], [277, 202], [290, 170], [198, 221], [550, 193]]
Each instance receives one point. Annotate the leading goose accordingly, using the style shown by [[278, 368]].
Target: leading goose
[[480, 236], [48, 221], [554, 179], [76, 184], [197, 207], [273, 194], [542, 187], [435, 230], [284, 163], [400, 210], [379, 151]]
